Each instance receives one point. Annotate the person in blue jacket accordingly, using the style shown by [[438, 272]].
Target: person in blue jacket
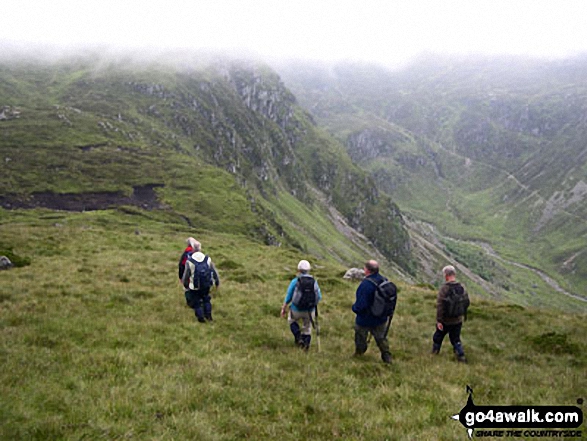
[[365, 322], [307, 316]]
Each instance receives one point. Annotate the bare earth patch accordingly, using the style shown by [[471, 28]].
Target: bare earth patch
[[143, 196]]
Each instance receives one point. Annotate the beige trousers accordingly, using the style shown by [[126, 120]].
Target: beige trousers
[[294, 316]]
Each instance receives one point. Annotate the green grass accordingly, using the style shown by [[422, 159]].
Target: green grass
[[316, 234], [97, 343]]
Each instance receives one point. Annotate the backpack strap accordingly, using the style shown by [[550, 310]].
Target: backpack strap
[[376, 289], [374, 282]]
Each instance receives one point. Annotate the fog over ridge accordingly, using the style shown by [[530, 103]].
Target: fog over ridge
[[384, 32]]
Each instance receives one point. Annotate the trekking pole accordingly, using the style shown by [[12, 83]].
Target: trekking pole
[[316, 326], [388, 325], [317, 329]]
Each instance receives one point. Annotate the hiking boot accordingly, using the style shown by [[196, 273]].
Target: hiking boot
[[435, 351], [461, 359], [201, 319], [386, 357], [209, 318]]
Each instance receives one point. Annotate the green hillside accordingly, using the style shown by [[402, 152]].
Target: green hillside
[[488, 153], [97, 343], [107, 167], [215, 144]]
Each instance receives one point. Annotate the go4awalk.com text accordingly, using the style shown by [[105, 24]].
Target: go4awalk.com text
[[529, 433], [520, 421]]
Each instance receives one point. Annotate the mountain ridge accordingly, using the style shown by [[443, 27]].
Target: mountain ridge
[[485, 149], [86, 125]]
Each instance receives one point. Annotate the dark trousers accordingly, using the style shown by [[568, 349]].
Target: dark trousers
[[200, 302], [454, 334], [378, 333]]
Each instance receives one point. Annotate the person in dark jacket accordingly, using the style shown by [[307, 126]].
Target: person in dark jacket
[[198, 284], [448, 325], [365, 322]]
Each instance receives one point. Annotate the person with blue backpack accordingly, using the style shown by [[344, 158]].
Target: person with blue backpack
[[304, 295], [375, 301], [198, 278]]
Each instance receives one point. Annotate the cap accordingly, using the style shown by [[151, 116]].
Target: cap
[[304, 265]]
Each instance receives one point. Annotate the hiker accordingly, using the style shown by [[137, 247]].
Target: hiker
[[451, 306], [304, 294], [191, 242], [198, 277], [365, 321]]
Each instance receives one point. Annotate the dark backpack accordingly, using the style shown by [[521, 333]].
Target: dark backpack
[[202, 274], [305, 297], [384, 299], [456, 301]]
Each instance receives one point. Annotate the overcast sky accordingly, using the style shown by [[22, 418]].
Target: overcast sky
[[383, 31]]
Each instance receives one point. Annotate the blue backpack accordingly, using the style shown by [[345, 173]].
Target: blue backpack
[[202, 273]]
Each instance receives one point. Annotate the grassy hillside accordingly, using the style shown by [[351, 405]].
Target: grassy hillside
[[217, 142], [97, 343], [487, 151]]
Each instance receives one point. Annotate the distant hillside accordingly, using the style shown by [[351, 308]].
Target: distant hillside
[[491, 153], [216, 145]]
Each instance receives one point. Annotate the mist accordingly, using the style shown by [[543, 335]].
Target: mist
[[382, 32]]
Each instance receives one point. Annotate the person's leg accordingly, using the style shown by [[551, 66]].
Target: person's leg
[[294, 327], [189, 298], [306, 329], [454, 333], [382, 343], [198, 305], [437, 339], [361, 340], [306, 339], [207, 305]]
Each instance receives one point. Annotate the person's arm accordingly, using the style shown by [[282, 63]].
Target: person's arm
[[317, 290], [440, 307], [361, 304], [185, 280], [181, 266], [214, 273], [288, 296]]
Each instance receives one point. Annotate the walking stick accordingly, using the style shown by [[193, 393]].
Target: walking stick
[[316, 326], [317, 329], [388, 325]]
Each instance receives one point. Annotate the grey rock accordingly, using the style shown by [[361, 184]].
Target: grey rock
[[354, 274], [5, 263]]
